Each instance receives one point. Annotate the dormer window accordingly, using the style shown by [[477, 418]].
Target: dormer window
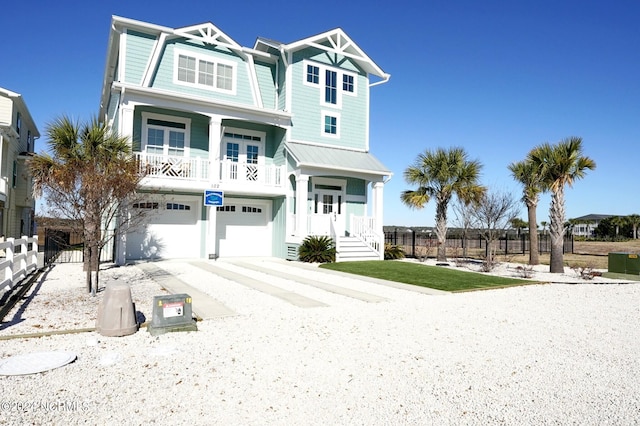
[[205, 72]]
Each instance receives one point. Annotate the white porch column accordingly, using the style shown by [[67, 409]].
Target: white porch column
[[126, 121], [378, 205], [302, 193], [125, 129], [215, 135], [215, 130]]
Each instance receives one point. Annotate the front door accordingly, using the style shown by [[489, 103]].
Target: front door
[[330, 211]]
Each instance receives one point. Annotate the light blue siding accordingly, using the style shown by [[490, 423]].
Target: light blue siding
[[164, 75], [138, 53], [308, 105]]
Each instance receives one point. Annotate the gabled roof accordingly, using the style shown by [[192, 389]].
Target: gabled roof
[[337, 159], [333, 41]]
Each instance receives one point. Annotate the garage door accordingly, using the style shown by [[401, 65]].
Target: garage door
[[243, 228], [171, 230]]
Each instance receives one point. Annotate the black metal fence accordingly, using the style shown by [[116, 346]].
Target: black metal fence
[[59, 248], [424, 244]]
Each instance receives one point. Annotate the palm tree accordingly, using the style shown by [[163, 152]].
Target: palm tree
[[525, 173], [559, 165], [440, 174], [89, 173], [634, 221], [618, 221]]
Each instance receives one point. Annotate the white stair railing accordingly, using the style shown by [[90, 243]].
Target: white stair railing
[[364, 228]]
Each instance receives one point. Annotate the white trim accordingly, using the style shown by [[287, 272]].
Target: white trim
[[153, 60], [336, 115], [355, 83], [172, 118], [212, 59], [122, 60], [253, 80]]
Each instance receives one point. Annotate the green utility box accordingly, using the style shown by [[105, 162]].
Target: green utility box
[[172, 312], [624, 263]]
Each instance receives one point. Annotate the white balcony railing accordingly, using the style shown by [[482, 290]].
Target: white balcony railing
[[261, 174], [199, 169], [193, 168]]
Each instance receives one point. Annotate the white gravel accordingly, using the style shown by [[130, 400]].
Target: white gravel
[[538, 354]]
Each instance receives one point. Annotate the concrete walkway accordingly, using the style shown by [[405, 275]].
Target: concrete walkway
[[239, 270], [204, 306], [343, 291], [286, 295]]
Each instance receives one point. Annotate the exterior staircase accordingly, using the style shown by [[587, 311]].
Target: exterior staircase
[[353, 248]]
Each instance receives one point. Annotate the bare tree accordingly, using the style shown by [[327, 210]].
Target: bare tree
[[465, 220], [88, 177], [494, 213]]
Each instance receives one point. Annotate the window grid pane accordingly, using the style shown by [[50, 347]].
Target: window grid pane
[[331, 92], [205, 73], [186, 69], [225, 77], [330, 125], [176, 143], [313, 74], [252, 154], [233, 151], [327, 203], [347, 83]]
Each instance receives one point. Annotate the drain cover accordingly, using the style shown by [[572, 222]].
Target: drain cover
[[36, 362]]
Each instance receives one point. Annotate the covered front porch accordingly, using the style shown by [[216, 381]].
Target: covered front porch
[[326, 196]]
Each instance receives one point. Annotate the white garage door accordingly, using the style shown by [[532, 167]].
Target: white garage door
[[171, 230], [243, 229]]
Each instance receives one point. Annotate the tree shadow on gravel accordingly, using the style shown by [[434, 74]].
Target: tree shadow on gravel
[[9, 299]]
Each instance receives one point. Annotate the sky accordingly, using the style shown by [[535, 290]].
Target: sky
[[496, 78]]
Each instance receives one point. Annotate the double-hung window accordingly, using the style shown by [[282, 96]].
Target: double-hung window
[[204, 71]]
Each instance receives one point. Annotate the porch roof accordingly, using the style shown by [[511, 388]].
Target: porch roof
[[336, 159]]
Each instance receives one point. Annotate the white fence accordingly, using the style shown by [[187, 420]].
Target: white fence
[[20, 259]]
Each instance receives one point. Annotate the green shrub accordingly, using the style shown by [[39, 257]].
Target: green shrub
[[392, 251], [317, 249]]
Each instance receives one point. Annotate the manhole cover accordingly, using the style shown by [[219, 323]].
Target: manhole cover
[[36, 362]]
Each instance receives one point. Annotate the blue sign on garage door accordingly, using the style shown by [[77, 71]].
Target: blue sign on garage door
[[213, 198]]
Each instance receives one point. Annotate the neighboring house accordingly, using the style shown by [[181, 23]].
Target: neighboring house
[[281, 129], [584, 226], [18, 133]]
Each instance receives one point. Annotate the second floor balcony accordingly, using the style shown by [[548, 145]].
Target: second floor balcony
[[203, 173]]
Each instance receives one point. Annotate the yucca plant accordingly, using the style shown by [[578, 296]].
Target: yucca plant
[[317, 249], [392, 251]]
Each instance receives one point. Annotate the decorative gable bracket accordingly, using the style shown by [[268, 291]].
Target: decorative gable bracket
[[209, 34]]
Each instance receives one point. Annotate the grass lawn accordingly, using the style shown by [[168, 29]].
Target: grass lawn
[[437, 277]]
